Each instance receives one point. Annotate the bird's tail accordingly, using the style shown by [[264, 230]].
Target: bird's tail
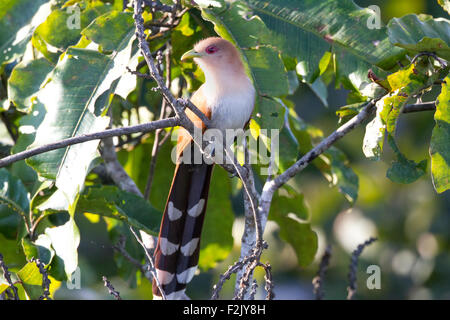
[[177, 251]]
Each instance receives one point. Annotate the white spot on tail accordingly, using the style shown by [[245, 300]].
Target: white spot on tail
[[167, 247], [177, 295], [186, 275], [197, 209], [189, 248], [173, 212], [164, 277]]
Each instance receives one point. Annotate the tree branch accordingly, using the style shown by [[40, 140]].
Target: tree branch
[[145, 127], [320, 276], [115, 170], [250, 236], [354, 267], [111, 289], [426, 106]]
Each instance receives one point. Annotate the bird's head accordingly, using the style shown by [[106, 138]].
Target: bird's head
[[215, 54]]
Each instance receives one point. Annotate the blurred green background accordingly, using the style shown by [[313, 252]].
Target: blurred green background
[[411, 222]]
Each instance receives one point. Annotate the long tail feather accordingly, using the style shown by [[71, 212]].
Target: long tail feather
[[177, 251]]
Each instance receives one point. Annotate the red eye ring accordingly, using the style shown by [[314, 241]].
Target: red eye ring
[[211, 49]]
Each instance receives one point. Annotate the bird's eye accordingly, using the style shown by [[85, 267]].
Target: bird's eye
[[211, 49]]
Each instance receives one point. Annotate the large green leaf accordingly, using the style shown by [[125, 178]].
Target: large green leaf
[[50, 43], [70, 96], [421, 33], [18, 18], [26, 80], [110, 201], [14, 203], [28, 125], [115, 22], [440, 141], [298, 234], [305, 30], [286, 201]]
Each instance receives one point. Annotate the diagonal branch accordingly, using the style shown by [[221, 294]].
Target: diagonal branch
[[145, 127]]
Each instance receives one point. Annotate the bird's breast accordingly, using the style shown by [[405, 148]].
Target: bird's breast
[[233, 109]]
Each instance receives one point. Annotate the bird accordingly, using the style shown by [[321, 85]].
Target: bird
[[227, 99]]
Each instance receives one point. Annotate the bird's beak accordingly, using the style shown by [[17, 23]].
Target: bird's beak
[[191, 54]]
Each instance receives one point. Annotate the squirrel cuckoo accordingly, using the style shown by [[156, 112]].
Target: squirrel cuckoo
[[227, 99]]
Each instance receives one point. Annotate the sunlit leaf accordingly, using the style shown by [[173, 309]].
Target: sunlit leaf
[[25, 81], [18, 19], [51, 43], [307, 30], [78, 80], [421, 33], [440, 140], [65, 240]]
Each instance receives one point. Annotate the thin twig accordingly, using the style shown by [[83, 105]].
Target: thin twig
[[7, 276], [151, 265], [354, 267], [441, 61], [319, 278], [45, 280], [156, 145], [120, 247], [111, 289], [115, 170]]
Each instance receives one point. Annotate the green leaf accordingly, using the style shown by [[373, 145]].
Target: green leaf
[[18, 18], [14, 203], [65, 240], [117, 24], [299, 235], [110, 201], [349, 110], [28, 125], [217, 240], [440, 140], [306, 30], [50, 43], [286, 201], [39, 249], [320, 90], [404, 170], [341, 175], [375, 134], [421, 33], [31, 280], [70, 96], [26, 80]]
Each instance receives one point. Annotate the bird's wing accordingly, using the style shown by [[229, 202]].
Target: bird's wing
[[199, 100]]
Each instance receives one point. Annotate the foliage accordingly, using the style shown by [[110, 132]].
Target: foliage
[[63, 81]]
